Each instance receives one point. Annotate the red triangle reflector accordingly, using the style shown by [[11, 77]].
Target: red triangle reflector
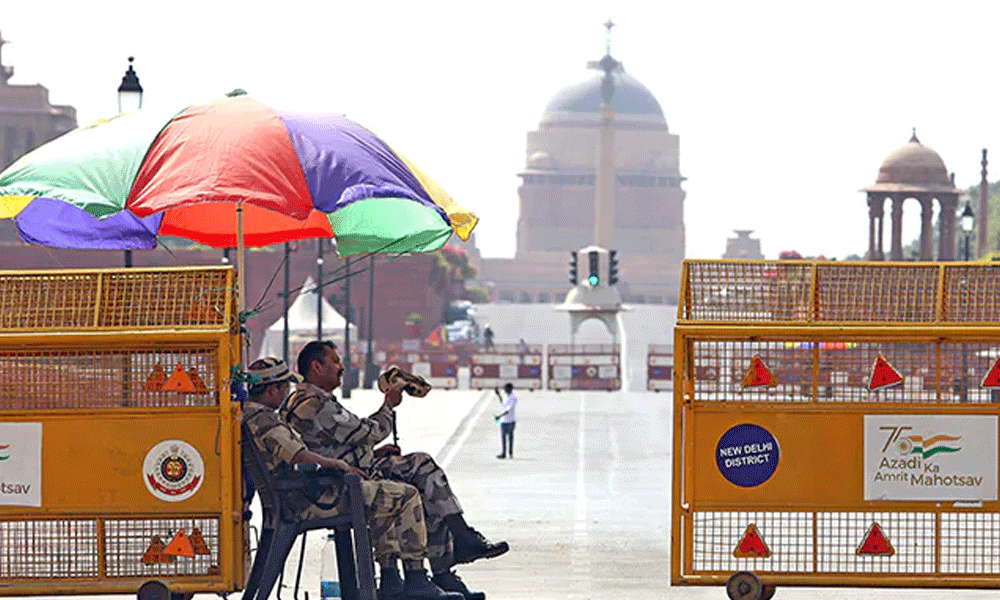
[[179, 381], [883, 375], [992, 379], [758, 375], [180, 546], [751, 545], [875, 543]]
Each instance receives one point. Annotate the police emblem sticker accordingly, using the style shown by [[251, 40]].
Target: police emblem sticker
[[173, 470]]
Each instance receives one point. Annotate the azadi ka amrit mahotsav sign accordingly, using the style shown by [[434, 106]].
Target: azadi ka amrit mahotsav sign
[[931, 457]]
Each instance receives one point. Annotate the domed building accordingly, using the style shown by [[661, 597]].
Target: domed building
[[913, 171], [557, 196]]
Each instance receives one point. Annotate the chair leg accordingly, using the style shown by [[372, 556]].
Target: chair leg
[[362, 540], [259, 559], [281, 545], [345, 565], [363, 553]]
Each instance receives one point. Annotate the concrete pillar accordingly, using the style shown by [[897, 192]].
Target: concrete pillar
[[927, 228], [875, 203], [896, 251]]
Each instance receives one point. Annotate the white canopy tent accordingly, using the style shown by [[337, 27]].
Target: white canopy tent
[[302, 325]]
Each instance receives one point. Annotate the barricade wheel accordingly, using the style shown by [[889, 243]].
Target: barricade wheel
[[153, 590], [744, 585], [768, 591]]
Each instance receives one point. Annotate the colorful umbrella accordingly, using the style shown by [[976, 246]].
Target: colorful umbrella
[[196, 173]]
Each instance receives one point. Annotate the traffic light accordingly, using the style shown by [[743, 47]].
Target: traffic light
[[612, 267], [572, 269], [595, 277]]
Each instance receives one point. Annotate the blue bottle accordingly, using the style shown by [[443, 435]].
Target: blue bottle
[[329, 587]]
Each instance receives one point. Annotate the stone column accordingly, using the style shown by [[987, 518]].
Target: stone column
[[927, 228], [872, 217], [896, 252], [946, 241]]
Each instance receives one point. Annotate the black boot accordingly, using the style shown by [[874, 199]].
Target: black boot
[[470, 545], [450, 582], [390, 584], [418, 587]]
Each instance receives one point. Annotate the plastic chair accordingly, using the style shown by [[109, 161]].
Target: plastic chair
[[354, 561]]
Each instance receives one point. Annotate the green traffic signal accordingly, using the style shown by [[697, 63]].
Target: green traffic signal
[[593, 280]]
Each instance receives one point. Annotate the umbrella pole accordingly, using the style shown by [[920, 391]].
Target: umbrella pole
[[240, 272]]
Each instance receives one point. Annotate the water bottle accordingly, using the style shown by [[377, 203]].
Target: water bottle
[[329, 587]]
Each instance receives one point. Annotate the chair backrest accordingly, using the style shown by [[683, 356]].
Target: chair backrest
[[256, 466]]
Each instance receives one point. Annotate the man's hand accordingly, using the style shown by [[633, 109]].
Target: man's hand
[[387, 450], [344, 466], [393, 397]]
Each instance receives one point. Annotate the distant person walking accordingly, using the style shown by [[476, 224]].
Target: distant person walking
[[507, 419], [522, 349], [488, 338]]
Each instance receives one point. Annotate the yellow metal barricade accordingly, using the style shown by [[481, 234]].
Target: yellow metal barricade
[[119, 460], [836, 424]]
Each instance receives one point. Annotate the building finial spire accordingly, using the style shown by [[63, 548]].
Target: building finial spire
[[913, 138], [607, 36]]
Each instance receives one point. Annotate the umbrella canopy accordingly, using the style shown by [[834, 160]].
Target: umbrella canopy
[[122, 182]]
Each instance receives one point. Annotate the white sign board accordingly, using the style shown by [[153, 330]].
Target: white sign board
[[931, 457], [21, 464]]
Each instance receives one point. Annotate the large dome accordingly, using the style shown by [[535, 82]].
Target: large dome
[[913, 167], [631, 100]]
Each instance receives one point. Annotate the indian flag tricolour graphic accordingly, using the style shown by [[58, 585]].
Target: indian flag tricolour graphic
[[4, 455], [929, 446]]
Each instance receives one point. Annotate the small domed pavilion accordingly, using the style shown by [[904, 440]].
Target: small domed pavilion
[[913, 171]]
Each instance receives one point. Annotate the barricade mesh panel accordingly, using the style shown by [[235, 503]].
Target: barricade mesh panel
[[48, 549], [182, 298], [47, 301], [81, 300], [972, 293], [719, 369], [838, 536], [75, 378], [876, 292], [788, 535], [748, 291], [128, 541], [969, 543], [842, 533]]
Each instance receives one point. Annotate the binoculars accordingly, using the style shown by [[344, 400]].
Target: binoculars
[[394, 377]]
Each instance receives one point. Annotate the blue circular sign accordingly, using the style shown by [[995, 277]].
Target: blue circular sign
[[747, 455]]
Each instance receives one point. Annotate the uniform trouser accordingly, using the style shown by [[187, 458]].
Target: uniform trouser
[[419, 470], [395, 519]]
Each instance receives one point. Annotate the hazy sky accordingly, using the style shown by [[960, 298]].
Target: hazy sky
[[784, 109]]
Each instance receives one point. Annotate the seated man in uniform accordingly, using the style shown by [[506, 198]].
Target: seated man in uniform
[[394, 509], [331, 430]]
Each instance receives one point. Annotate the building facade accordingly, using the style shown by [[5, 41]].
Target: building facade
[[557, 197], [27, 119]]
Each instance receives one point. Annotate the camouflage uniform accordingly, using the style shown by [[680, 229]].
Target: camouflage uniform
[[395, 516], [331, 430]]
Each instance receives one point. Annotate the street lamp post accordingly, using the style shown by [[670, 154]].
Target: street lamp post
[[966, 222], [129, 98]]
